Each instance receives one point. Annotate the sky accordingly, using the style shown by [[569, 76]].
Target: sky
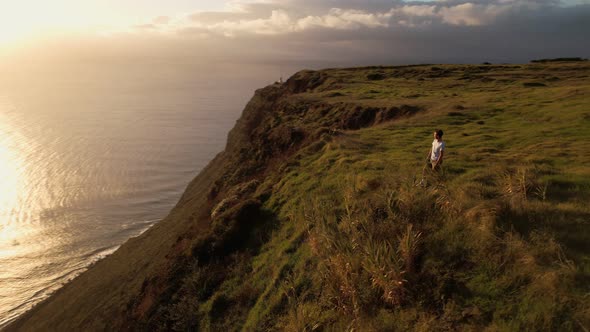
[[30, 18], [314, 31]]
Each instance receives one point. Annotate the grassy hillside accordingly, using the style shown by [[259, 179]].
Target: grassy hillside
[[311, 218]]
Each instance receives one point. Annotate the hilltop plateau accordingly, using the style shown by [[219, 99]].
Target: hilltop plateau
[[311, 219]]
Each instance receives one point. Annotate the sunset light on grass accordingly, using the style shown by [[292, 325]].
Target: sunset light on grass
[[277, 165]]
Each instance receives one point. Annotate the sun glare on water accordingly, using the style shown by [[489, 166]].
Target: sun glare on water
[[9, 175], [10, 182]]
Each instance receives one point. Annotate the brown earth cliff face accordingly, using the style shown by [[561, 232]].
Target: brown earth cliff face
[[126, 290]]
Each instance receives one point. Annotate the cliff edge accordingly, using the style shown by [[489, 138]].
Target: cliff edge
[[312, 219]]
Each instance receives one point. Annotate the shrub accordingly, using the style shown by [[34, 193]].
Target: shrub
[[533, 84], [375, 76]]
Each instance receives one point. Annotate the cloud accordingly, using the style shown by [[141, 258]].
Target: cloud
[[342, 19], [348, 32], [276, 17], [161, 20], [280, 20]]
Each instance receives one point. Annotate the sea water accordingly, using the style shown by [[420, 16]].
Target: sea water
[[92, 154]]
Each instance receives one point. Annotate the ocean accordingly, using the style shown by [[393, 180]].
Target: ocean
[[93, 153]]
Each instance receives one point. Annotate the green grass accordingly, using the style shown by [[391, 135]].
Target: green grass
[[501, 235], [344, 240]]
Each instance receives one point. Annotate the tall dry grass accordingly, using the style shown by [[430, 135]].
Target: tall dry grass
[[447, 251]]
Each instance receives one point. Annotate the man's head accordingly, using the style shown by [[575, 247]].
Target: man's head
[[438, 134]]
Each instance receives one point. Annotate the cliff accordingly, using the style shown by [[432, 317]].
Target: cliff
[[311, 217]]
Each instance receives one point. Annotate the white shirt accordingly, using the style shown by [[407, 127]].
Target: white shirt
[[437, 148]]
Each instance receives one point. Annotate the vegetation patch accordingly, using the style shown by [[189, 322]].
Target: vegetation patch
[[317, 219], [377, 76], [573, 59], [533, 84]]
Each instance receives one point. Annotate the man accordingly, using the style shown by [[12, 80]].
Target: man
[[437, 151], [435, 156]]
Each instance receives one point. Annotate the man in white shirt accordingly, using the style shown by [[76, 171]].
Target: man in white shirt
[[435, 156]]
